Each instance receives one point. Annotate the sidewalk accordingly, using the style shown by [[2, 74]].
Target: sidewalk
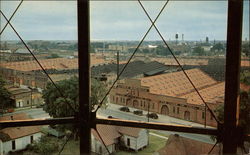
[[160, 136]]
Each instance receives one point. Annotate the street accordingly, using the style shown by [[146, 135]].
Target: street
[[113, 110]]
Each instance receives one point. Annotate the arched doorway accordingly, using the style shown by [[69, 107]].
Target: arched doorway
[[187, 115], [135, 103], [164, 110], [128, 102]]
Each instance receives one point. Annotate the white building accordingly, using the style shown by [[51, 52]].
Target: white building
[[134, 138], [17, 138], [116, 136]]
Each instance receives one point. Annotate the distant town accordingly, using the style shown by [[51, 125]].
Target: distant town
[[152, 87]]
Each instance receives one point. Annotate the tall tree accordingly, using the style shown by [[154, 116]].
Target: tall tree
[[5, 96], [198, 51], [58, 106], [244, 118]]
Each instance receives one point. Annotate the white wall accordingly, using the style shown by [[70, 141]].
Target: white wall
[[132, 141], [136, 143], [21, 143], [96, 145], [142, 140]]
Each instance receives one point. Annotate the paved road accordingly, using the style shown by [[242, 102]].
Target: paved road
[[113, 110]]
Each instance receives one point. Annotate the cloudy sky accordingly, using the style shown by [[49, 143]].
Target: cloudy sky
[[125, 20]]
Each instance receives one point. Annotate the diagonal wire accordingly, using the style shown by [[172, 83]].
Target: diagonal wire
[[64, 144], [213, 147], [132, 55], [178, 62], [38, 62], [11, 17], [102, 141]]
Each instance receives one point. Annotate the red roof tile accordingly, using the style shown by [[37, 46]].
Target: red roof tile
[[177, 145], [7, 134]]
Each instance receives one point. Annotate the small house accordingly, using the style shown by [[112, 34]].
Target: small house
[[115, 137], [17, 138]]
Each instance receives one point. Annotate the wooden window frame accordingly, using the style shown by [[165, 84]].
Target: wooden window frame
[[87, 120]]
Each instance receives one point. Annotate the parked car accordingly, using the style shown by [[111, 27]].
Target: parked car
[[110, 117], [153, 115], [125, 109], [138, 112]]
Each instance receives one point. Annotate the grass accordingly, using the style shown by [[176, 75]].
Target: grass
[[155, 143], [72, 147]]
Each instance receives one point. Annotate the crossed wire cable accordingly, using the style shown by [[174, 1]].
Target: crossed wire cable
[[191, 82], [152, 25], [136, 49], [13, 14], [40, 65], [57, 88]]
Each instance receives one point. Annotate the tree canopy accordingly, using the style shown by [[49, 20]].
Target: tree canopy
[[244, 118], [57, 105], [5, 96], [198, 51]]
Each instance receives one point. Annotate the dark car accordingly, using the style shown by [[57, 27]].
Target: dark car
[[138, 112], [152, 115], [125, 109]]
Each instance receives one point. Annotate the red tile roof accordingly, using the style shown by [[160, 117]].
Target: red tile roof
[[210, 94], [110, 133], [107, 132], [17, 132], [7, 134], [57, 63], [176, 84], [177, 145]]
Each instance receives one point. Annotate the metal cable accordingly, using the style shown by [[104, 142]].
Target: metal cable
[[102, 141], [178, 62], [213, 147], [131, 56], [64, 144], [11, 17], [38, 62]]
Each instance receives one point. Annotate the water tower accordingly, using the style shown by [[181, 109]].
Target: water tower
[[176, 38]]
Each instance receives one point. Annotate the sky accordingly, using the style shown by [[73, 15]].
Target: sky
[[124, 20]]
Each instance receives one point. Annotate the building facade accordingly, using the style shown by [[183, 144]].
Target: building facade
[[24, 97], [172, 95]]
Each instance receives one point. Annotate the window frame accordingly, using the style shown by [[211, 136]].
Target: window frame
[[87, 120]]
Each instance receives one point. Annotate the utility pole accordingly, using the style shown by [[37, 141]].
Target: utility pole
[[117, 64]]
